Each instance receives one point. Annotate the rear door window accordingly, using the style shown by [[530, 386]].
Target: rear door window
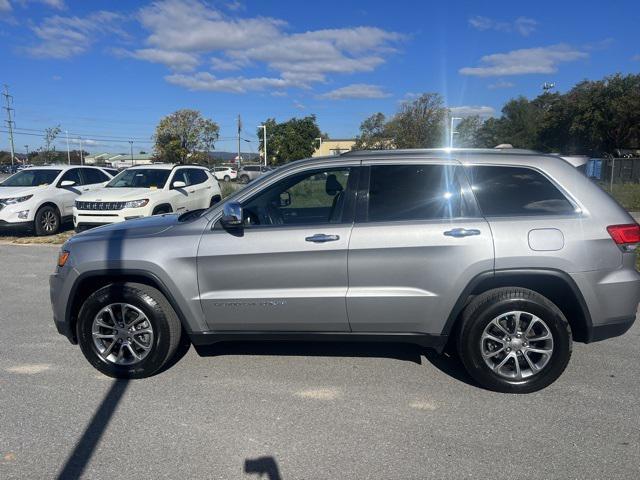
[[516, 191], [196, 176], [416, 192]]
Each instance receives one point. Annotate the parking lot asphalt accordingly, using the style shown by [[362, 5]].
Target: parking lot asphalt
[[303, 411]]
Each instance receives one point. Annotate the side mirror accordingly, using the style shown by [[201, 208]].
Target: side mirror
[[231, 215], [285, 199], [178, 184], [67, 183]]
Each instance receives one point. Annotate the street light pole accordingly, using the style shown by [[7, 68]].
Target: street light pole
[[451, 132], [131, 147], [26, 147], [68, 151], [81, 154], [264, 143]]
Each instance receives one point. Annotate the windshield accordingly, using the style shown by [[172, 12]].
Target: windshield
[[140, 178], [31, 178]]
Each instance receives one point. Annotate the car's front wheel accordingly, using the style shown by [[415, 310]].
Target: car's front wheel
[[227, 178], [47, 221], [128, 330], [514, 340], [244, 179]]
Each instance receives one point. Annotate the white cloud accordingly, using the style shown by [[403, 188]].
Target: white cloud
[[55, 4], [525, 61], [522, 25], [235, 6], [206, 81], [5, 6], [356, 90], [298, 105], [469, 110], [636, 58], [233, 43], [65, 37], [501, 84], [175, 60]]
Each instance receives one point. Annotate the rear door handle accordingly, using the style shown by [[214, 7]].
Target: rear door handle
[[462, 232], [321, 238]]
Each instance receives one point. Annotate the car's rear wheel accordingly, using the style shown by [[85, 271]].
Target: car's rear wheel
[[514, 340], [128, 330], [47, 221], [227, 178]]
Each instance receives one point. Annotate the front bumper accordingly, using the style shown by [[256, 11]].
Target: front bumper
[[90, 218], [59, 291]]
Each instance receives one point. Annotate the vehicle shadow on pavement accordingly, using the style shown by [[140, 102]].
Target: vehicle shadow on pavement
[[260, 466], [449, 365], [85, 446], [409, 353]]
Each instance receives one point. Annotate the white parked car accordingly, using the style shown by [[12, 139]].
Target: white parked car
[[147, 190], [41, 198], [224, 173]]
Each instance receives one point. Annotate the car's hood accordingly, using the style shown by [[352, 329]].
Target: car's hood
[[11, 192], [117, 194], [131, 228]]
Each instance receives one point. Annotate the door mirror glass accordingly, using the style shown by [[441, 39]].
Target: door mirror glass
[[178, 184], [231, 215], [285, 199], [67, 183]]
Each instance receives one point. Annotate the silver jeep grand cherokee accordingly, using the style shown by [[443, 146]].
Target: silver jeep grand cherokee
[[505, 256]]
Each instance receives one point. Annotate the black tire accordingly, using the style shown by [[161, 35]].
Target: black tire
[[244, 179], [491, 304], [163, 319], [227, 178], [47, 221]]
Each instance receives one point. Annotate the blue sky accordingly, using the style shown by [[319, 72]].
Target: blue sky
[[110, 70]]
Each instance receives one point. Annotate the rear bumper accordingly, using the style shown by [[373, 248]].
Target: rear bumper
[[610, 330], [612, 298]]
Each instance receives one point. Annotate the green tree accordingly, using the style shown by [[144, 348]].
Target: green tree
[[374, 134], [290, 140], [419, 123], [467, 132], [185, 134]]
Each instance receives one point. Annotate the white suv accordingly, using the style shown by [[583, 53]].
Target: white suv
[[147, 190], [224, 173], [42, 197]]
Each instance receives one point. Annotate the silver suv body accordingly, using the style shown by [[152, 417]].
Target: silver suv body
[[505, 256]]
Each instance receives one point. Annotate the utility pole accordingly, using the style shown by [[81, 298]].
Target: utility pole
[[264, 143], [68, 150], [81, 154], [26, 147], [9, 100], [131, 147], [239, 130]]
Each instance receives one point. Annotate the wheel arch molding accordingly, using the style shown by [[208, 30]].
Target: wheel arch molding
[[553, 284], [89, 282]]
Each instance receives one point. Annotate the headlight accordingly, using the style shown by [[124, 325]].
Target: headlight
[[136, 203], [14, 200]]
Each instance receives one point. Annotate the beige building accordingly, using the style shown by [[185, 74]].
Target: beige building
[[333, 146]]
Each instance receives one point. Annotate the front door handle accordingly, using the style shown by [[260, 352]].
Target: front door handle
[[321, 238], [462, 232]]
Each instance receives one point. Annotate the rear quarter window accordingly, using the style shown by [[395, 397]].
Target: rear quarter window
[[516, 191]]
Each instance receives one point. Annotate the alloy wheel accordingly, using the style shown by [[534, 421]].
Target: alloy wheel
[[122, 334], [516, 345]]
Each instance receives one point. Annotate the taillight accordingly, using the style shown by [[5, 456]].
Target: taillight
[[626, 236]]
